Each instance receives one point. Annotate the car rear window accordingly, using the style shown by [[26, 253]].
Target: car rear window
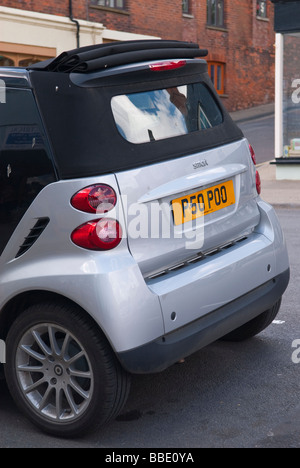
[[165, 113]]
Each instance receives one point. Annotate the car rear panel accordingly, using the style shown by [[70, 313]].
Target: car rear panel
[[156, 240]]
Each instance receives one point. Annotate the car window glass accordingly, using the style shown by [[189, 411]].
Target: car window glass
[[165, 113]]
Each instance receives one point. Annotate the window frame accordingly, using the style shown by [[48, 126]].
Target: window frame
[[107, 4], [186, 7], [214, 76], [209, 16], [258, 10]]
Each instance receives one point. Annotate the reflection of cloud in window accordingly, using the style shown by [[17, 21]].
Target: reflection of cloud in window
[[131, 121], [171, 120], [161, 120]]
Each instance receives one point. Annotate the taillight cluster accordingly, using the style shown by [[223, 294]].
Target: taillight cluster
[[102, 233], [98, 198], [257, 176]]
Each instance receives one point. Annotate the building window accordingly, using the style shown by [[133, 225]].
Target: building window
[[216, 72], [215, 13], [261, 8], [119, 4], [6, 61], [16, 55], [186, 6], [28, 61], [19, 60]]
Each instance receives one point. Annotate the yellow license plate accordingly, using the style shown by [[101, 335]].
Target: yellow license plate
[[202, 203]]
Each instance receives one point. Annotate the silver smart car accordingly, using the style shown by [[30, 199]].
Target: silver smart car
[[132, 230]]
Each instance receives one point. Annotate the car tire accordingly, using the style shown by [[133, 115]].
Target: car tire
[[61, 371], [255, 326]]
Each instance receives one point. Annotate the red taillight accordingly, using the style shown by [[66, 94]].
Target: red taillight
[[257, 176], [99, 234], [99, 198], [167, 65], [252, 152], [258, 182]]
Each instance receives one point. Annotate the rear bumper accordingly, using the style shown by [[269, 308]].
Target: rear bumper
[[165, 351]]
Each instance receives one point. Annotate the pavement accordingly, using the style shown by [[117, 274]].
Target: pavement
[[253, 113], [279, 193]]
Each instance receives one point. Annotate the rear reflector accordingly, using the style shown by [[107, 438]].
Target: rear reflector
[[257, 176], [258, 182], [167, 65], [100, 234], [252, 152]]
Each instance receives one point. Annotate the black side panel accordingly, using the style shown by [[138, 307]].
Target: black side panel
[[84, 135], [25, 165]]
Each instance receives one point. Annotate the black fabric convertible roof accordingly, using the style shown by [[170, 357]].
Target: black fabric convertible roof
[[74, 93], [101, 56]]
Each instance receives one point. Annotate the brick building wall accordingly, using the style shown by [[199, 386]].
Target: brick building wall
[[243, 46], [59, 7], [251, 55]]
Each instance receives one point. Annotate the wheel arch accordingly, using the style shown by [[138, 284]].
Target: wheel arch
[[14, 307]]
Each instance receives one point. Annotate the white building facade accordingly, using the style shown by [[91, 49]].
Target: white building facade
[[27, 37]]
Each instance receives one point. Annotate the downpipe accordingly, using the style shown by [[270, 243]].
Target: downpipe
[[75, 22]]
